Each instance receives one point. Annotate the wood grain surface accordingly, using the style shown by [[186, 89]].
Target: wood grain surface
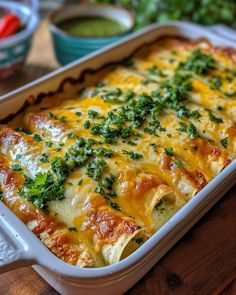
[[203, 262]]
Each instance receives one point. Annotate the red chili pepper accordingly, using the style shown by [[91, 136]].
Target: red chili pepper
[[9, 25]]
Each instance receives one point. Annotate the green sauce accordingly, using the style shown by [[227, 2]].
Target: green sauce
[[92, 27]]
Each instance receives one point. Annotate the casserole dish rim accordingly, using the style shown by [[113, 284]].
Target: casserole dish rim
[[138, 256]]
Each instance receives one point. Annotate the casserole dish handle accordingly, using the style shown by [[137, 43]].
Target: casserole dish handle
[[14, 250]]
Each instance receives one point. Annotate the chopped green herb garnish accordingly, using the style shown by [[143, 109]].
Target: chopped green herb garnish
[[219, 108], [63, 119], [72, 229], [16, 167], [52, 116], [129, 142], [215, 82], [183, 112], [179, 164], [92, 114], [139, 240], [101, 151], [132, 155], [115, 206], [78, 114], [105, 192], [96, 168], [46, 186], [49, 143], [21, 129], [169, 151], [87, 124], [37, 137], [213, 118], [100, 84], [112, 96], [198, 63], [2, 196], [18, 156], [80, 181], [195, 114], [128, 63], [224, 142], [183, 127], [159, 204], [70, 135], [44, 157], [230, 94], [153, 126], [192, 131], [153, 70], [108, 181]]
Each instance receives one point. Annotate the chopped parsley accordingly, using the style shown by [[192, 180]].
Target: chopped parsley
[[46, 186], [71, 135], [52, 115], [44, 157], [224, 142], [78, 114], [153, 70], [183, 127], [139, 240], [92, 114], [132, 155], [108, 181], [192, 131], [21, 129], [87, 124], [230, 94], [179, 164], [195, 114], [215, 82], [63, 119], [37, 137], [107, 193], [129, 63], [115, 206], [96, 168], [183, 112], [159, 204], [153, 126], [198, 63], [213, 118], [80, 181], [72, 229], [49, 144], [2, 196], [100, 84], [101, 151], [169, 151], [132, 143], [16, 167]]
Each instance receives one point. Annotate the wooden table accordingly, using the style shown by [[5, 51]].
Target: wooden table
[[203, 262]]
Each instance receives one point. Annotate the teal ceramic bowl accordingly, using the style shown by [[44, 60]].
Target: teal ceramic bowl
[[14, 49], [68, 47]]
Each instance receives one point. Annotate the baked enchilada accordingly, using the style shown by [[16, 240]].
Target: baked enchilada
[[95, 176]]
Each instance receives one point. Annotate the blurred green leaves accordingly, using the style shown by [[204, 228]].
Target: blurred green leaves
[[206, 12]]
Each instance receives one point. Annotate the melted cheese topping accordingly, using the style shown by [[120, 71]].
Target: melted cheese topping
[[171, 143]]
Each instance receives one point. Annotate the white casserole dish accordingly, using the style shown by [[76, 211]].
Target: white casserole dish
[[20, 247]]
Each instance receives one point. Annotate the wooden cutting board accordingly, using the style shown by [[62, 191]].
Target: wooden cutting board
[[203, 262]]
